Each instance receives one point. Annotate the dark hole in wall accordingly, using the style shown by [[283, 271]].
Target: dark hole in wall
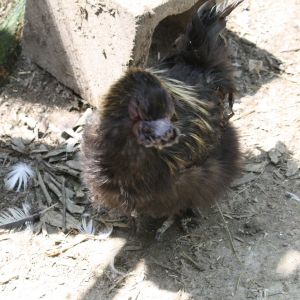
[[166, 33]]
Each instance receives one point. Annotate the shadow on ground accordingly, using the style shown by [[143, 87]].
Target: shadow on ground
[[199, 260]]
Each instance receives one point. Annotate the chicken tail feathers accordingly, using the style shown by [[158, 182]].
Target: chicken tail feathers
[[202, 43]]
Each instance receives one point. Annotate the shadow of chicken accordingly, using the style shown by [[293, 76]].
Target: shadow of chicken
[[161, 142]]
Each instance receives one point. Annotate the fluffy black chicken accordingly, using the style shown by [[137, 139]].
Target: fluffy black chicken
[[161, 142]]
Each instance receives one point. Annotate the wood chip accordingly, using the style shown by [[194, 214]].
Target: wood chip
[[274, 155], [54, 186], [74, 164], [292, 168], [55, 152], [41, 149], [280, 147], [69, 133], [44, 188], [55, 218], [256, 167], [245, 179], [67, 170], [18, 145]]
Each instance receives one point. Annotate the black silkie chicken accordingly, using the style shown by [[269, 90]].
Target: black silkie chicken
[[161, 143]]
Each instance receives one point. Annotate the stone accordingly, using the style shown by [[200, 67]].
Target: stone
[[87, 45]]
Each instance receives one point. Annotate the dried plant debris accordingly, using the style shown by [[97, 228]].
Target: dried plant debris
[[65, 247], [58, 178], [19, 176], [55, 152], [64, 194], [55, 219], [41, 149]]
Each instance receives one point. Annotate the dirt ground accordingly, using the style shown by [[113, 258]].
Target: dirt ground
[[253, 254]]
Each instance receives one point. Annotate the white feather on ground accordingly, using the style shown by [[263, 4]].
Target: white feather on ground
[[15, 217], [87, 226], [19, 176]]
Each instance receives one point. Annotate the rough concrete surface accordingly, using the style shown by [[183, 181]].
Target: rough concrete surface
[[87, 45]]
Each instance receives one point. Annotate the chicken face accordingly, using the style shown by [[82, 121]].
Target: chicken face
[[152, 113]]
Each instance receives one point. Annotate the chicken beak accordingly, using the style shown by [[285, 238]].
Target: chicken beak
[[158, 133]]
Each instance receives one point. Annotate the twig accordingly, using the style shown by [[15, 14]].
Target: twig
[[239, 239], [199, 267], [4, 161], [164, 266], [8, 279], [43, 187], [52, 186], [64, 202], [59, 250], [237, 284], [291, 50], [48, 208], [228, 233], [237, 117], [4, 239], [117, 282]]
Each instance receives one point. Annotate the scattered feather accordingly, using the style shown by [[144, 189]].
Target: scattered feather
[[16, 217], [292, 196], [28, 209], [19, 176], [106, 232], [87, 227]]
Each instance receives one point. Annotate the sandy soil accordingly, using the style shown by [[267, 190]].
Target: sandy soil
[[198, 261]]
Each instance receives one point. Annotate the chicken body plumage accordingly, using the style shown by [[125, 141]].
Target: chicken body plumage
[[161, 141]]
